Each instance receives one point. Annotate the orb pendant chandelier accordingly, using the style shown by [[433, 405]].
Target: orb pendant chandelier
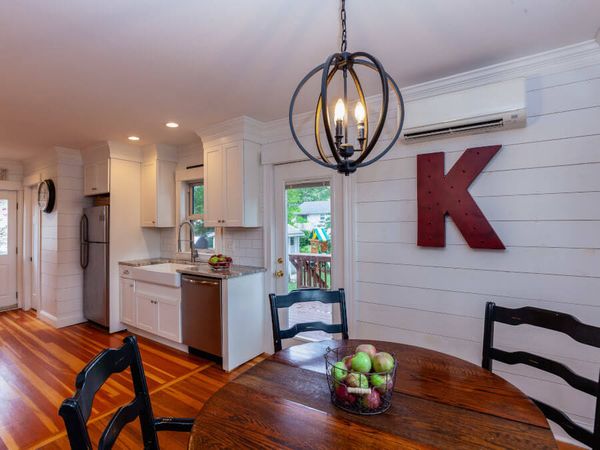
[[344, 156]]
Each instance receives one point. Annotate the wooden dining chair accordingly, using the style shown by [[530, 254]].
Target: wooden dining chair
[[303, 296], [556, 321], [76, 410]]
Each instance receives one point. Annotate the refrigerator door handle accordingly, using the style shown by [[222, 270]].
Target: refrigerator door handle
[[83, 243]]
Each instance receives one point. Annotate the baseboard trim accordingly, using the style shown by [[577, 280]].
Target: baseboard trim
[[159, 339], [60, 322]]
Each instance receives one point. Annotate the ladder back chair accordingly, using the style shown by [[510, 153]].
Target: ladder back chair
[[556, 321], [304, 296], [76, 410]]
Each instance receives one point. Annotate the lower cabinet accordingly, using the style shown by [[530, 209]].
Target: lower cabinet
[[128, 312], [152, 308], [147, 313]]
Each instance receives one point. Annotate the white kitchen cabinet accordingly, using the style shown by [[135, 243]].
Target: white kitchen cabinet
[[147, 312], [169, 319], [150, 307], [96, 178], [127, 294], [232, 185], [158, 194]]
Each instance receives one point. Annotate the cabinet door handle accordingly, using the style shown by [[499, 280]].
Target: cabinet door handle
[[94, 189], [126, 272]]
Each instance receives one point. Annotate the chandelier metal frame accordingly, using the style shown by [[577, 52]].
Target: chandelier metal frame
[[342, 152]]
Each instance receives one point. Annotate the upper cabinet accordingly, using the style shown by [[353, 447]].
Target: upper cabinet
[[232, 185], [158, 193], [96, 178]]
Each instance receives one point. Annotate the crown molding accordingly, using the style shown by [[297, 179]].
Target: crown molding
[[236, 129], [557, 60]]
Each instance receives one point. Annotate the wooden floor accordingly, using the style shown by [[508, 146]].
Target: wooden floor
[[38, 365]]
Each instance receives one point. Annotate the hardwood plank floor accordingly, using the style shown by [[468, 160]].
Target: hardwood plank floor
[[38, 365]]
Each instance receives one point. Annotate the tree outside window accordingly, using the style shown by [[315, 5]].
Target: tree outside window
[[204, 237]]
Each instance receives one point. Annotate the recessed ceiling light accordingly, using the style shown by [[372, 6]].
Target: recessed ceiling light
[[172, 124], [133, 138]]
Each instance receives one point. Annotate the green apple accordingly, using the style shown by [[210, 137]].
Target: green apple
[[361, 362], [383, 362], [381, 382], [357, 380], [339, 371]]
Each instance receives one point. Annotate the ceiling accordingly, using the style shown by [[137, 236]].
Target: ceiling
[[76, 72]]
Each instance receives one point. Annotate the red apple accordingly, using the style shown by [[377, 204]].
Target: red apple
[[357, 380], [367, 348], [342, 394], [372, 400], [348, 361]]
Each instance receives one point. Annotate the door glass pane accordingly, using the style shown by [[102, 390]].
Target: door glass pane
[[3, 227], [309, 250]]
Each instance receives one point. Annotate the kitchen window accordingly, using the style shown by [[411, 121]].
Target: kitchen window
[[204, 237]]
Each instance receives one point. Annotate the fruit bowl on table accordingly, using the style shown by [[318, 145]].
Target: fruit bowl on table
[[220, 262], [361, 380]]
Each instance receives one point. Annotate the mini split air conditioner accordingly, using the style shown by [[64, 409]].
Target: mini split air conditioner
[[493, 107]]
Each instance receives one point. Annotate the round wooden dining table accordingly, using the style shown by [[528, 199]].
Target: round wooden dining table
[[439, 401]]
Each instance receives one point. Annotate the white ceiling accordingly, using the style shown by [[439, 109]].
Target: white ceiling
[[75, 72]]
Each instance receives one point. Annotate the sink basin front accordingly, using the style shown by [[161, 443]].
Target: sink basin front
[[165, 274]]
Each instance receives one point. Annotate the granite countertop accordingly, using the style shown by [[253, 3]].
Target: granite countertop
[[152, 261], [198, 268], [205, 270]]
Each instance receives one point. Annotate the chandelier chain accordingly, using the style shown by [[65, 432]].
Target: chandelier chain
[[343, 19]]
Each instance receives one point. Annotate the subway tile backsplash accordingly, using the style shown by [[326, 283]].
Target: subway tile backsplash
[[244, 245]]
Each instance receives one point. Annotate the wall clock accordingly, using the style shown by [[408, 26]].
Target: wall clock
[[46, 196]]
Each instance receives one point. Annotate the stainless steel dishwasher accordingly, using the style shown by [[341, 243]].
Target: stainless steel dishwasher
[[201, 314]]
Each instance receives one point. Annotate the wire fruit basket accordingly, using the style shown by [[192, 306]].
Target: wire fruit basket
[[367, 393]]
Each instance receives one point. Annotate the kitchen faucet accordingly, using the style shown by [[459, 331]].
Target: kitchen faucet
[[193, 251]]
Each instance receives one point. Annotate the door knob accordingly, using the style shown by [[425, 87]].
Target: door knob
[[279, 273], [279, 260]]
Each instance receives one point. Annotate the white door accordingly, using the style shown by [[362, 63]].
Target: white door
[[8, 250], [213, 187], [169, 319], [308, 204], [102, 177], [127, 294], [234, 176], [148, 200], [35, 252], [147, 310]]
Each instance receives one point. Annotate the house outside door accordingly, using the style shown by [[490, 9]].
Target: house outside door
[[309, 232]]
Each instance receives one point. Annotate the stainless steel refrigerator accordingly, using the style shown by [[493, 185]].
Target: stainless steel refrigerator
[[94, 261]]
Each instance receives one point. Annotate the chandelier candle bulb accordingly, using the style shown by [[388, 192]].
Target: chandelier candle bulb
[[338, 116], [359, 115]]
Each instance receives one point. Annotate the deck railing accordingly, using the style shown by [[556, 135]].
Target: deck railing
[[313, 270]]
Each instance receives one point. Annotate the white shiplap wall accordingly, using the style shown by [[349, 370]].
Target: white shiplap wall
[[541, 194], [62, 277]]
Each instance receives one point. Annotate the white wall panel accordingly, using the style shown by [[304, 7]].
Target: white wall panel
[[541, 193]]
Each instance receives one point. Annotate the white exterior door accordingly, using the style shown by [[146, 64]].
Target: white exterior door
[[300, 188], [8, 250]]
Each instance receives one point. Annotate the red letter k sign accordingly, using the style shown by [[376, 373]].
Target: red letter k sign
[[439, 194]]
